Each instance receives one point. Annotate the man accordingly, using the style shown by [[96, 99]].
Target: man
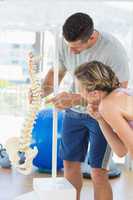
[[82, 43]]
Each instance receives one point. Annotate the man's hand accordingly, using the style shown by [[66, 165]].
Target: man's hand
[[64, 100]]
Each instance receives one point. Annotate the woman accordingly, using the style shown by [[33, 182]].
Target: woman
[[109, 104]]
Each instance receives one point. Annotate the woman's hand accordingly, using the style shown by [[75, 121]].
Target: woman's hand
[[92, 110]]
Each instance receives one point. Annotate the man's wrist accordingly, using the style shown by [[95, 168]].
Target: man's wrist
[[77, 100], [45, 91]]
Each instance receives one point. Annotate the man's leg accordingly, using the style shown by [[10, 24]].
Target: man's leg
[[99, 156], [74, 144], [72, 172], [102, 187]]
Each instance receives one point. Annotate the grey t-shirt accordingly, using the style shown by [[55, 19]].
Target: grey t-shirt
[[107, 50]]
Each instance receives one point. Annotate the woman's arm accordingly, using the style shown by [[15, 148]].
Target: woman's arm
[[113, 115], [112, 138]]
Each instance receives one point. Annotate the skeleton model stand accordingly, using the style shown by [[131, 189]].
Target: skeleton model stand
[[19, 148]]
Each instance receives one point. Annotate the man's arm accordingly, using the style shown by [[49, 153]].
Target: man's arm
[[48, 82], [65, 100]]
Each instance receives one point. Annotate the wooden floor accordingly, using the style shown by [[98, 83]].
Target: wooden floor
[[12, 184]]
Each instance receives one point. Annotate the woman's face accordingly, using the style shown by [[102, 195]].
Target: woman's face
[[93, 97]]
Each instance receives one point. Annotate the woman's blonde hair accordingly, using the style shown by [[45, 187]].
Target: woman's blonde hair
[[97, 76]]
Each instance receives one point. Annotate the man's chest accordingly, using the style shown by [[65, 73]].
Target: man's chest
[[73, 62]]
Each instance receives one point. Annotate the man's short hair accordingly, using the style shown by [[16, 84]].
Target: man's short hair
[[78, 26]]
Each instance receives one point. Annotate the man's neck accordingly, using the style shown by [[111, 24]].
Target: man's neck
[[94, 40]]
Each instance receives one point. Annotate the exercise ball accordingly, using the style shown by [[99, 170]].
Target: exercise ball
[[42, 138]]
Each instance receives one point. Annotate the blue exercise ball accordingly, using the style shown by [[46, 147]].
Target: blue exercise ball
[[42, 138]]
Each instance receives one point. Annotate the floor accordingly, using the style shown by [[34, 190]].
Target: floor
[[12, 184], [12, 129]]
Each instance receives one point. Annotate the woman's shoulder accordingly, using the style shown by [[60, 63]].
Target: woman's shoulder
[[118, 101], [115, 97], [120, 98], [128, 91], [119, 92]]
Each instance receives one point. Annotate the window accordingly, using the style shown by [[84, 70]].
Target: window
[[14, 48]]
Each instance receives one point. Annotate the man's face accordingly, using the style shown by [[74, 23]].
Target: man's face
[[78, 46]]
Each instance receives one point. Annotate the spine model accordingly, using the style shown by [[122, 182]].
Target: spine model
[[20, 153]]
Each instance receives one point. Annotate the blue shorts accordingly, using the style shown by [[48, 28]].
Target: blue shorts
[[79, 130]]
